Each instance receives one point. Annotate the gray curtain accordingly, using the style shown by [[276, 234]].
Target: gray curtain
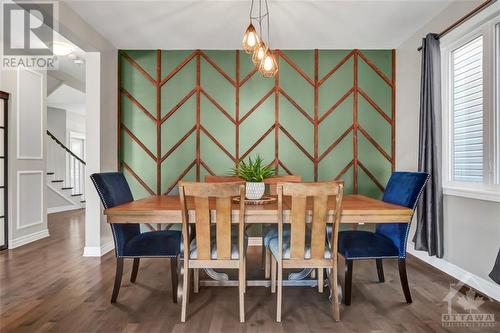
[[495, 273], [429, 232]]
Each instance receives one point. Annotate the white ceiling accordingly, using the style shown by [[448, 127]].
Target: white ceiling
[[67, 98], [212, 24]]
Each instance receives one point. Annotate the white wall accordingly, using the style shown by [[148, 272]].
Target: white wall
[[101, 130], [27, 169], [472, 228]]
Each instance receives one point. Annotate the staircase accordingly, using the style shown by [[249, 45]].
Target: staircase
[[65, 172]]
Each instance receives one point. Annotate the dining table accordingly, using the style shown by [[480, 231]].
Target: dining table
[[166, 210]]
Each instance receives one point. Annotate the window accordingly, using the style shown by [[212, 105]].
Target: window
[[471, 119], [467, 112]]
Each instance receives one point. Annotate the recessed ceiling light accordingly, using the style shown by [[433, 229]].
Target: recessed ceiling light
[[61, 49], [72, 56], [78, 61]]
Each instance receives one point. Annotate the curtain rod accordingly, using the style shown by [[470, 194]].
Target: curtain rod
[[475, 11]]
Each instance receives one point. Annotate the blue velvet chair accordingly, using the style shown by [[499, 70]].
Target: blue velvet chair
[[130, 243], [389, 239]]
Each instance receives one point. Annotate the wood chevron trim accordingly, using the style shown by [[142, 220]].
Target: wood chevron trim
[[172, 185], [138, 67], [375, 106], [316, 106], [214, 140], [375, 68], [256, 106], [178, 105], [336, 142], [256, 143], [393, 112], [285, 168], [218, 69], [355, 124], [296, 68], [139, 142], [302, 149], [335, 106], [344, 170], [138, 104], [237, 107], [177, 144], [248, 77], [334, 69], [372, 177], [198, 116], [136, 176], [297, 106], [374, 142], [203, 164], [179, 67], [158, 121], [276, 118], [218, 106]]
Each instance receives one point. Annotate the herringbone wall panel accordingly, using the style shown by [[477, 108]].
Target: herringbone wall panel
[[185, 114]]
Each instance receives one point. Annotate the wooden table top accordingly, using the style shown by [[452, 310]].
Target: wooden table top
[[167, 209]]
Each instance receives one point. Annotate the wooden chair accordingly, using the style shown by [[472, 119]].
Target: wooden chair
[[218, 247], [301, 249], [268, 231]]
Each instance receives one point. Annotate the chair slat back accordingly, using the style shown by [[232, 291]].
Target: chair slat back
[[302, 194], [204, 195]]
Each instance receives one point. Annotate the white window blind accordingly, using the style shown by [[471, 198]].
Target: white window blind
[[467, 111]]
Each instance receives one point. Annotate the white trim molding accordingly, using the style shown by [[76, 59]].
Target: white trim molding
[[473, 193], [98, 251], [484, 286], [23, 240], [18, 120], [18, 198], [59, 209]]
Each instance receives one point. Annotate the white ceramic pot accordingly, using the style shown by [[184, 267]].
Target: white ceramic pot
[[255, 191]]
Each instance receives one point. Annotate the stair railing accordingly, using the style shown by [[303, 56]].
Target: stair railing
[[68, 169]]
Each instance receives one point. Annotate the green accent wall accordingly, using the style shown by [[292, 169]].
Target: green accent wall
[[184, 114]]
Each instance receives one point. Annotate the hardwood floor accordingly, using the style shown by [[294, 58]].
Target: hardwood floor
[[48, 286]]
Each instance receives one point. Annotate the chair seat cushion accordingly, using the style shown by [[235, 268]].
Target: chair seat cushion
[[193, 250], [273, 247], [357, 244], [165, 243], [271, 231]]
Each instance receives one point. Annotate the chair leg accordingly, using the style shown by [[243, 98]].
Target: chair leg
[[245, 274], [335, 293], [173, 275], [348, 281], [196, 280], [118, 279], [267, 262], [279, 296], [273, 274], [380, 270], [185, 291], [320, 280], [404, 279], [135, 269], [241, 289]]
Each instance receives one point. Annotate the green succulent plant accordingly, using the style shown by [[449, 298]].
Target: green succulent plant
[[253, 170]]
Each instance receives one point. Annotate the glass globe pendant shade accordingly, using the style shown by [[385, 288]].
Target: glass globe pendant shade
[[268, 66], [250, 39], [259, 53]]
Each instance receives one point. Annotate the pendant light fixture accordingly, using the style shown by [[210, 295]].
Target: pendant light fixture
[[253, 42]]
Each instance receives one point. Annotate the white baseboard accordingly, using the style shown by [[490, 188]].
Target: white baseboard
[[59, 209], [23, 240], [254, 241], [484, 286], [98, 251]]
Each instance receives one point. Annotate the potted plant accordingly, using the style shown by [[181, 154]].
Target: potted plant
[[254, 172]]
